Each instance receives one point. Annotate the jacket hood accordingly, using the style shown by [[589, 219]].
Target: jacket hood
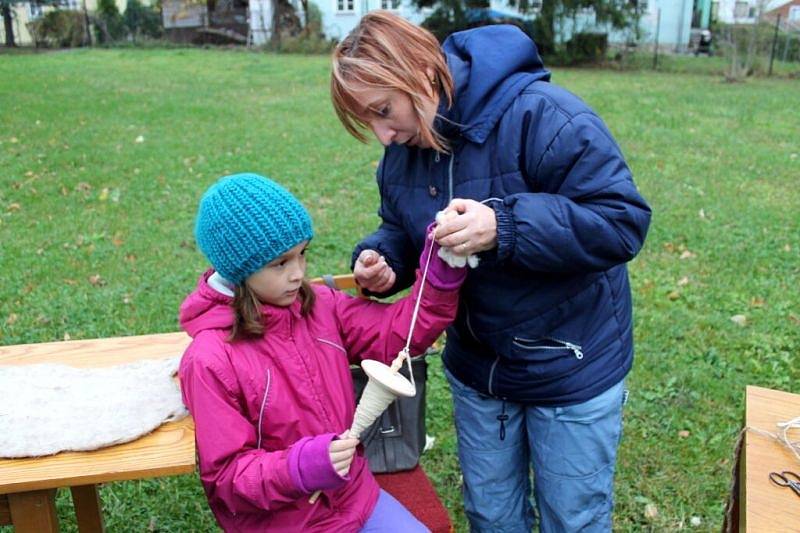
[[206, 308], [490, 65]]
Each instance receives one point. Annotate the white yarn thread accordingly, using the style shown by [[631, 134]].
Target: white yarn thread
[[374, 401], [783, 436], [375, 398]]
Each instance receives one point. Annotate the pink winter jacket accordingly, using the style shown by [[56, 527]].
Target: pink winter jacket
[[298, 374]]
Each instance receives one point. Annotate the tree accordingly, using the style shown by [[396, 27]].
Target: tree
[[141, 20], [109, 22], [554, 14], [8, 22]]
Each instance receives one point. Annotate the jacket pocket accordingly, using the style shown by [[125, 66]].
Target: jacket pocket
[[544, 358]]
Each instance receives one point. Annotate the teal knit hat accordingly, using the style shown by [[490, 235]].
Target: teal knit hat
[[245, 221]]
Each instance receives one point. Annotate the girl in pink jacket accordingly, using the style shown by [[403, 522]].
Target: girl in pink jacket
[[267, 376]]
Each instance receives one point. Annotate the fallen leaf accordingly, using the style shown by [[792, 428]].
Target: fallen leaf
[[116, 240], [14, 140], [668, 246], [687, 254], [139, 139], [702, 214], [103, 195], [794, 318], [83, 187], [651, 511], [757, 302], [739, 320], [12, 318], [683, 434], [14, 207], [787, 247], [683, 281], [39, 251], [126, 299], [696, 521], [96, 280], [130, 258], [70, 281], [674, 295]]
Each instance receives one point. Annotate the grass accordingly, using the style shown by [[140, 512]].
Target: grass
[[96, 239]]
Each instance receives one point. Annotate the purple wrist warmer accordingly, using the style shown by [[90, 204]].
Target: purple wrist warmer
[[440, 275], [310, 464]]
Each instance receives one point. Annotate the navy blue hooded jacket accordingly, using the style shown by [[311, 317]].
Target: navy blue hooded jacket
[[546, 317]]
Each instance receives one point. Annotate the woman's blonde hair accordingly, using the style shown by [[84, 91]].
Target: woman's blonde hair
[[248, 322], [385, 51]]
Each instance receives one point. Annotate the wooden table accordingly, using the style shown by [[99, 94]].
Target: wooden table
[[30, 483], [764, 506]]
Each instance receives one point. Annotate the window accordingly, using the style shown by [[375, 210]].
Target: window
[[34, 10], [794, 14], [390, 4], [345, 6], [740, 10]]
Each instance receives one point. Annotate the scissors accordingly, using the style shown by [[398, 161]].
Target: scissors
[[786, 479]]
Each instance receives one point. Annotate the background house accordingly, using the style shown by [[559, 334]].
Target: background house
[[25, 12]]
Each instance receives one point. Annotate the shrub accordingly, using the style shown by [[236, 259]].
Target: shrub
[[311, 43], [59, 28], [585, 48]]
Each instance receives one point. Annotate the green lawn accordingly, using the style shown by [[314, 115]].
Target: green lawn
[[96, 238]]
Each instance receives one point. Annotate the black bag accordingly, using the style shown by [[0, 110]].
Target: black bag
[[394, 442]]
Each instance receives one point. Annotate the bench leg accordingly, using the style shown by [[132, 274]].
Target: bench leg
[[87, 509], [5, 512], [34, 512]]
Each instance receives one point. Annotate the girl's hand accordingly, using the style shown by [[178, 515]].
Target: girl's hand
[[373, 273], [473, 230], [341, 452]]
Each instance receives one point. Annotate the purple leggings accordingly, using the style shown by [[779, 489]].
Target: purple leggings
[[389, 516]]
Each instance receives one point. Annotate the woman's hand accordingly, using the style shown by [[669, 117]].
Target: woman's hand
[[341, 452], [373, 273], [473, 230]]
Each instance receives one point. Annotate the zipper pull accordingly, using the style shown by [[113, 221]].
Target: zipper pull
[[575, 349], [436, 157]]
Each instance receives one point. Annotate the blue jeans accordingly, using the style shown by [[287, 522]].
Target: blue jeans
[[572, 450]]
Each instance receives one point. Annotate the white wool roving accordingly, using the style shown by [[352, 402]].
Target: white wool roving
[[46, 408], [447, 254]]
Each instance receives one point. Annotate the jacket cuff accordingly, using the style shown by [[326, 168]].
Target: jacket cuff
[[506, 231], [310, 465]]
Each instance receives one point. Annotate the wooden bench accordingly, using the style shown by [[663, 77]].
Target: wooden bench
[[759, 505], [30, 483], [27, 486]]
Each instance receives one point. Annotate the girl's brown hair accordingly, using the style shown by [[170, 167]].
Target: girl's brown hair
[[248, 322], [385, 51]]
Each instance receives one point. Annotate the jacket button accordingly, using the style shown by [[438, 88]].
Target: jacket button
[[433, 191]]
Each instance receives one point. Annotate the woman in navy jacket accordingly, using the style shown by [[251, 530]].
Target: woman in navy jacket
[[537, 357]]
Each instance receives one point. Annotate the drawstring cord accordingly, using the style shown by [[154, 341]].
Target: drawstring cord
[[502, 417]]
